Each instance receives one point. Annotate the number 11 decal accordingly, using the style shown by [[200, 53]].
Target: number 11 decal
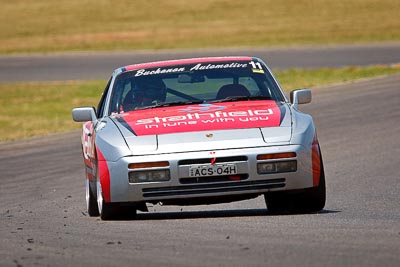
[[256, 67]]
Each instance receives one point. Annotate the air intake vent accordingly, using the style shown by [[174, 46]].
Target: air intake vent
[[199, 189], [213, 179]]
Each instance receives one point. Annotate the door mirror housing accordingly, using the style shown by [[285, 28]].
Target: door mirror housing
[[83, 114], [300, 96]]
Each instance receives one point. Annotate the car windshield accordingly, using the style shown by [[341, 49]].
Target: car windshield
[[192, 83]]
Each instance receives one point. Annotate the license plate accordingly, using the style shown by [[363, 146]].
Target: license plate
[[212, 170]]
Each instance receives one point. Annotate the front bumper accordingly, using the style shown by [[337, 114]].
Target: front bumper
[[181, 186]]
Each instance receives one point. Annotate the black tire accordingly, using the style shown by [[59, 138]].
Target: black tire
[[304, 201], [128, 212], [113, 211], [107, 211], [91, 202], [277, 202]]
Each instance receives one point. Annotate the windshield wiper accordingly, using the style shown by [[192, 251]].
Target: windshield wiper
[[239, 98], [172, 104]]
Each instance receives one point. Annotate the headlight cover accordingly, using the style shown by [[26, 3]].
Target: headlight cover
[[277, 167], [149, 176]]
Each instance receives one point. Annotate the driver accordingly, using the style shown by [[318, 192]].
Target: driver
[[145, 92]]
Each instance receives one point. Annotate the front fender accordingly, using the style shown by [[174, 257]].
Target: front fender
[[110, 141], [303, 129]]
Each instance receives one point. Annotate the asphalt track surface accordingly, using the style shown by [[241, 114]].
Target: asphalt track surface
[[43, 221], [89, 66]]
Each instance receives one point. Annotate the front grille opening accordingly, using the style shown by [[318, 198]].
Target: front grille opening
[[208, 160], [214, 179]]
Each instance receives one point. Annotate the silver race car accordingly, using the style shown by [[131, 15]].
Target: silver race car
[[199, 131]]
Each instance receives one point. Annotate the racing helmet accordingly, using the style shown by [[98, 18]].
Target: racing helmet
[[147, 91]]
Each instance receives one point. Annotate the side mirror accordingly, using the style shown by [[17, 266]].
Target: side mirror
[[83, 114], [300, 96]]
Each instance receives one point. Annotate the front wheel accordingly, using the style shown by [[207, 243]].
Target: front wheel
[[111, 211], [106, 210], [305, 201]]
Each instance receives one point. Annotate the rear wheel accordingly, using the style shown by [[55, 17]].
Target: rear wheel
[[308, 200], [91, 203]]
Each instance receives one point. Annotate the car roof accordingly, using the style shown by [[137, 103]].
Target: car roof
[[183, 62]]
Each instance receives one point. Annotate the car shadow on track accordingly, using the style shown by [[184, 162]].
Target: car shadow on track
[[214, 214]]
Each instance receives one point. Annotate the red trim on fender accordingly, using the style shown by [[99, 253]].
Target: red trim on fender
[[316, 161], [104, 176]]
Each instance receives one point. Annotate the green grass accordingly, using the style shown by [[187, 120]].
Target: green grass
[[298, 78], [34, 109], [68, 25]]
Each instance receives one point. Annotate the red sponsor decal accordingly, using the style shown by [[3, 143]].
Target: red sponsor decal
[[204, 117]]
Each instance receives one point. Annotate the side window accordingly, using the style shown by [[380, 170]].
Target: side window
[[100, 106], [120, 91], [127, 87]]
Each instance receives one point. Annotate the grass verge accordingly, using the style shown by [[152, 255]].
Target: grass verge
[[34, 109], [65, 25]]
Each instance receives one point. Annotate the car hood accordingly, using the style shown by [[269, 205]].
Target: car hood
[[205, 126]]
